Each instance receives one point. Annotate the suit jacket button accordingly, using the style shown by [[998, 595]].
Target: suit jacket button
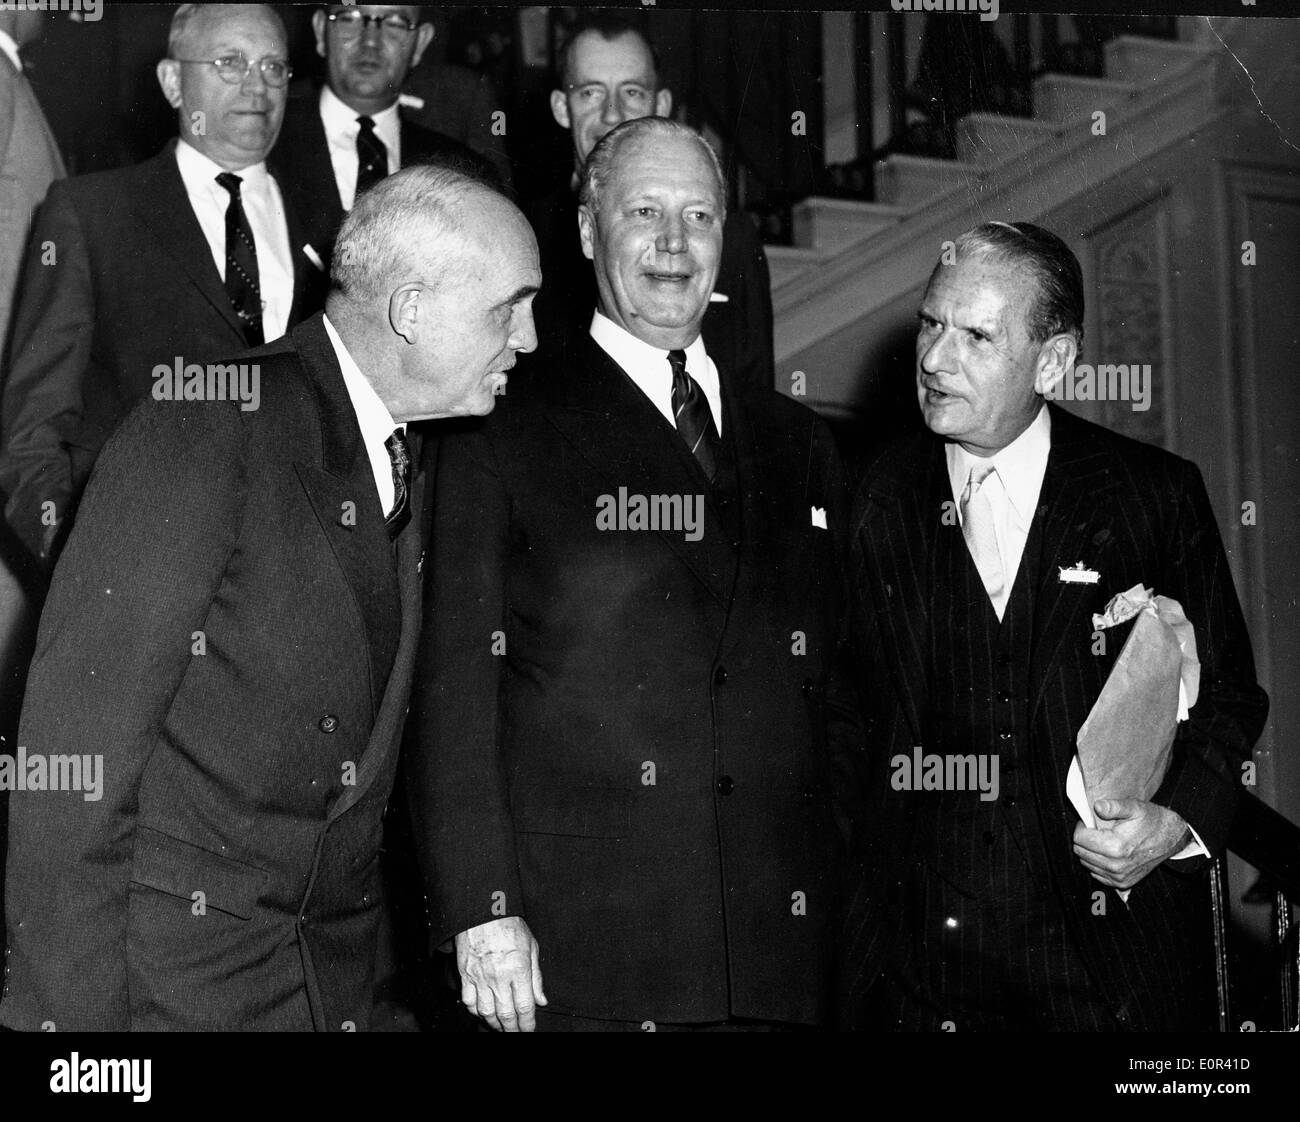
[[726, 785], [328, 723], [1004, 697], [809, 794], [806, 688], [720, 676]]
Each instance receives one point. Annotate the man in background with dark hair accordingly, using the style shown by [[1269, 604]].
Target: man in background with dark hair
[[996, 908], [609, 73], [346, 137]]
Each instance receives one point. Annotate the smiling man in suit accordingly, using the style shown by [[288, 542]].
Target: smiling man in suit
[[192, 253], [996, 908], [230, 634], [633, 747], [345, 138]]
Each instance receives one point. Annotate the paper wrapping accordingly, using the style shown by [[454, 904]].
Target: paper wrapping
[[1124, 745]]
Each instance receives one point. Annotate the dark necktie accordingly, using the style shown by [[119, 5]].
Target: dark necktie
[[691, 412], [372, 156], [400, 455], [243, 285]]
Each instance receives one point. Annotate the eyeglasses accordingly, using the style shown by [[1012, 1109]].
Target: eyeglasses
[[352, 23], [633, 99], [233, 69]]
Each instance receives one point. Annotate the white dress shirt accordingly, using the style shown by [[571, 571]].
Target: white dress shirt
[[264, 209], [648, 367], [1012, 488], [342, 124], [10, 48], [373, 418]]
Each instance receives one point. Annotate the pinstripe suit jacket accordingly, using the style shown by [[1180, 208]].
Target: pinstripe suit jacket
[[1135, 514], [229, 630]]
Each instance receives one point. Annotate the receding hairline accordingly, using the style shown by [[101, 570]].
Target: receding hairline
[[190, 19]]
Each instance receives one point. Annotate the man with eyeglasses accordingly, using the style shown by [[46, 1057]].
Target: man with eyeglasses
[[345, 138], [609, 73], [186, 257]]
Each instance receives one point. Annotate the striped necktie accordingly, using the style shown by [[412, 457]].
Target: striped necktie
[[691, 412], [372, 156], [399, 454], [981, 539]]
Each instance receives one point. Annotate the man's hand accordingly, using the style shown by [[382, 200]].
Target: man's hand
[[1144, 834], [500, 979]]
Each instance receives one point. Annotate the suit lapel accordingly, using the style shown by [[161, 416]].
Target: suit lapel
[[897, 533], [391, 710], [1076, 526], [628, 443], [341, 490], [164, 209]]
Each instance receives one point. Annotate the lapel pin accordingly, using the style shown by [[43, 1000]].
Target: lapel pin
[[819, 517], [419, 565], [1079, 575]]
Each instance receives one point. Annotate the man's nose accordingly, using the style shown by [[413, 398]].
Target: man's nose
[[371, 33], [935, 357], [672, 235], [254, 80], [524, 336], [612, 112]]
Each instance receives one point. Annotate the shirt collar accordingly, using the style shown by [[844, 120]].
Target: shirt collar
[[373, 418], [1021, 465], [200, 171], [10, 48], [632, 353], [340, 119]]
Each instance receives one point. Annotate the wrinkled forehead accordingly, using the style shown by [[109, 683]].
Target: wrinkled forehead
[[665, 165], [983, 285]]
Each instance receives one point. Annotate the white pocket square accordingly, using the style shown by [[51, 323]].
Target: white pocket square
[[819, 517], [313, 257]]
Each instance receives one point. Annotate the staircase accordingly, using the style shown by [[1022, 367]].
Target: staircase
[[842, 283]]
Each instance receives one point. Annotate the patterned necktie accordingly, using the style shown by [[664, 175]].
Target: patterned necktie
[[691, 412], [243, 284], [372, 156], [399, 454], [981, 540]]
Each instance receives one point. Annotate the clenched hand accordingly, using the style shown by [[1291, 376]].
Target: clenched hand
[[500, 979], [1144, 834]]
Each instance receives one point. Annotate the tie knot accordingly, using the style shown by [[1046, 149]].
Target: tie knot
[[979, 473], [398, 451], [677, 360], [367, 123], [230, 181]]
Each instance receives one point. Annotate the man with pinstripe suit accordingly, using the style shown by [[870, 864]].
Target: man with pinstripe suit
[[996, 908]]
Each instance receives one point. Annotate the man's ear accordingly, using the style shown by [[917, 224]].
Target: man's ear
[[423, 37], [587, 232], [318, 25], [1055, 360], [169, 78], [560, 108], [664, 103], [404, 311]]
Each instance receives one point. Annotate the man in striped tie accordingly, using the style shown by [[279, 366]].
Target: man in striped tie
[[633, 746]]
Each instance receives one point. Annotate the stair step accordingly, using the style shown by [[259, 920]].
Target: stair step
[[988, 138], [832, 224], [1144, 62], [785, 262], [1065, 97], [911, 181]]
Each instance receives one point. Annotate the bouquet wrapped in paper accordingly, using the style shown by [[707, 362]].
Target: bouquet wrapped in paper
[[1124, 745]]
